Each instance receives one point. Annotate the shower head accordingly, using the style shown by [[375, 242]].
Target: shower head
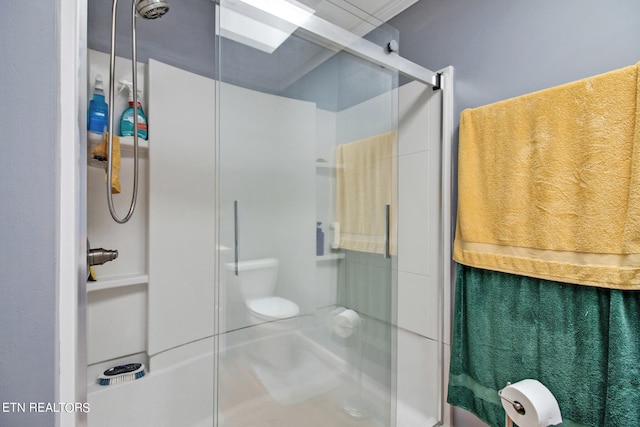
[[152, 9]]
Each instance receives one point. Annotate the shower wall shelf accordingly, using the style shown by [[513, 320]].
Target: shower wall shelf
[[126, 146], [126, 150], [326, 165], [119, 281], [330, 257]]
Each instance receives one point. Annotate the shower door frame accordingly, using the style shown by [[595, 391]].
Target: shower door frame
[[439, 80], [71, 384]]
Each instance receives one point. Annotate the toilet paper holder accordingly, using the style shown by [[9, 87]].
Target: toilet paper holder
[[516, 405], [540, 406]]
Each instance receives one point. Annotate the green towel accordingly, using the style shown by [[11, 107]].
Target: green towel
[[581, 342]]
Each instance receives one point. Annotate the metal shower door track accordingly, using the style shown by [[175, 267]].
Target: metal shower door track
[[365, 49], [339, 38]]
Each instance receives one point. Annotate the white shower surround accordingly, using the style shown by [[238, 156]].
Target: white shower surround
[[418, 325], [148, 402]]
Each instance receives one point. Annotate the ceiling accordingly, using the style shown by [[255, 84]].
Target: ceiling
[[308, 68], [383, 10]]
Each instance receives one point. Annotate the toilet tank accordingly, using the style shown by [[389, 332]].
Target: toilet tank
[[256, 278]]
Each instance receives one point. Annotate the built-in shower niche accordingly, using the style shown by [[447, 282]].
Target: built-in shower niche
[[117, 301]]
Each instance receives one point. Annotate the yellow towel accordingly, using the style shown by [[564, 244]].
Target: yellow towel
[[101, 150], [549, 183], [365, 183]]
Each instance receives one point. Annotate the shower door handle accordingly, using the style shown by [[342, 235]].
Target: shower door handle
[[235, 235], [387, 230]]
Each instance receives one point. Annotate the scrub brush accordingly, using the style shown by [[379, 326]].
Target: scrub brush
[[122, 374]]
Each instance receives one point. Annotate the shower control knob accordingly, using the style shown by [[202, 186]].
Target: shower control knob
[[99, 256]]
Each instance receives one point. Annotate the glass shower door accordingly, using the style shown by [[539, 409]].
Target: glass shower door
[[307, 206]]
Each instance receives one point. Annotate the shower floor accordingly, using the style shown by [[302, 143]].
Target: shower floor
[[312, 394]]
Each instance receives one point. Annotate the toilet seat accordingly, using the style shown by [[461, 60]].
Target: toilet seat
[[273, 308]]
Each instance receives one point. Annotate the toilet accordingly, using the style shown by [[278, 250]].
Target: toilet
[[276, 316]]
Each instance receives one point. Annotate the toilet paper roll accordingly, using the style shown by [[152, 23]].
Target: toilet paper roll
[[331, 315], [540, 406], [345, 323]]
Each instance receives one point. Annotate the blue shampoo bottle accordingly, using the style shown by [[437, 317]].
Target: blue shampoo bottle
[[97, 118]]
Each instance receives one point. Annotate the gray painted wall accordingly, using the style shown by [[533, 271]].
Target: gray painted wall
[[28, 237], [506, 48], [184, 37]]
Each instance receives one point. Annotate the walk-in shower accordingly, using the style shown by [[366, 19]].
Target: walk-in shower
[[263, 118]]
